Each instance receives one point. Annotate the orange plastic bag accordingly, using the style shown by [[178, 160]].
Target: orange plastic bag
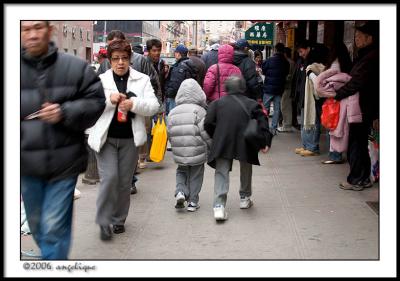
[[159, 144], [330, 113]]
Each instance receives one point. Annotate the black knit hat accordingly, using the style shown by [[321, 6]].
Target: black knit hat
[[370, 28]]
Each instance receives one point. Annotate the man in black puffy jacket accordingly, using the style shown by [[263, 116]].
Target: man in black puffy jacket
[[61, 96], [181, 70], [248, 68]]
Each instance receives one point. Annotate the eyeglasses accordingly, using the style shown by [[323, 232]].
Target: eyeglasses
[[116, 59]]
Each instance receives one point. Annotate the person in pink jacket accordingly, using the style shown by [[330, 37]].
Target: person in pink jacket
[[218, 73]]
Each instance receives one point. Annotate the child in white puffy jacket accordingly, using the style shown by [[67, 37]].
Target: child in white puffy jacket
[[189, 142]]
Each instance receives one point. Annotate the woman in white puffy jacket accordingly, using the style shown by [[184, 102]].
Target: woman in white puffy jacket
[[115, 140], [189, 142]]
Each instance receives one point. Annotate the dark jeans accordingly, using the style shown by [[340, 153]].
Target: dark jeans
[[48, 207]]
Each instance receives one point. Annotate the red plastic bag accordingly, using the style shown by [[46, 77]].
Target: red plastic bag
[[330, 113]]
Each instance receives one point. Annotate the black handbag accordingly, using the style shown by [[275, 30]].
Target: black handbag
[[251, 133]]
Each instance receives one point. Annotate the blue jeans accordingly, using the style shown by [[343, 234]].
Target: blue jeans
[[277, 108], [170, 104], [48, 207], [310, 138]]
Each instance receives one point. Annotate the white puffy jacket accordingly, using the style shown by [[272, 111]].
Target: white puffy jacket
[[189, 141]]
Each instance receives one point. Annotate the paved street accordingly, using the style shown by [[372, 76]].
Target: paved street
[[299, 212]]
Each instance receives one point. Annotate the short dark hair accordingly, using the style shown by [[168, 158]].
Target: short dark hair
[[119, 46], [118, 34], [303, 44], [279, 47], [153, 42]]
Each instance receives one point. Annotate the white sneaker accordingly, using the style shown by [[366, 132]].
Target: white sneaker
[[180, 200], [245, 202], [220, 214], [77, 194], [192, 207], [284, 130]]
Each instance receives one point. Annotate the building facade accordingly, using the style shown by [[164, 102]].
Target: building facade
[[74, 37]]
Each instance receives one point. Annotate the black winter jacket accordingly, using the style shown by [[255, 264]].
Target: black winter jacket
[[275, 69], [178, 72], [248, 68], [57, 151], [225, 123], [365, 80]]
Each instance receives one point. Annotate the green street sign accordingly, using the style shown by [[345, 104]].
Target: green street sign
[[261, 33]]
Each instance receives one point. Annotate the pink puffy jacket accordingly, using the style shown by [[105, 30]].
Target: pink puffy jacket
[[226, 69]]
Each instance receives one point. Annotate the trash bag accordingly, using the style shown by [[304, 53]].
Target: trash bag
[[330, 113], [159, 144]]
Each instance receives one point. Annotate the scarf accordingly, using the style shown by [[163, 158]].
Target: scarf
[[310, 96]]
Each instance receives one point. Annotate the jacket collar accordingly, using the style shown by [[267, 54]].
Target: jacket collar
[[44, 60], [133, 74]]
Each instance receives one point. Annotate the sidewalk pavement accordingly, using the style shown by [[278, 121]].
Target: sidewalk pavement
[[299, 213]]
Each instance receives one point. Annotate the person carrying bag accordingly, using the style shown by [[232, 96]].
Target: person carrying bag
[[227, 123]]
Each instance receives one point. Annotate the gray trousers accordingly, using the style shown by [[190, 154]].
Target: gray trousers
[[286, 109], [115, 162], [189, 180], [221, 185]]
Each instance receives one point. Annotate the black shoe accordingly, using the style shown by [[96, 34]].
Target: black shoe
[[117, 229], [133, 189], [105, 232]]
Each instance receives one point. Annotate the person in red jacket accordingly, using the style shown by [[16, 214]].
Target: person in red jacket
[[218, 73]]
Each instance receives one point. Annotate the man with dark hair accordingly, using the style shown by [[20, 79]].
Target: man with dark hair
[[248, 68], [275, 69], [154, 47], [299, 79], [55, 112]]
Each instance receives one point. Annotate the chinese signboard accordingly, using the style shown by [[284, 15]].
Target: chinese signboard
[[261, 33]]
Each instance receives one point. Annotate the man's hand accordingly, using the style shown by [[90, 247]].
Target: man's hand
[[265, 150], [51, 113]]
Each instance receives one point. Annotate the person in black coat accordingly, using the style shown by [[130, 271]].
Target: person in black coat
[[181, 70], [248, 68], [61, 96], [365, 81], [225, 122]]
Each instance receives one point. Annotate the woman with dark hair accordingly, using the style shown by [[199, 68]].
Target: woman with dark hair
[[339, 58], [117, 134]]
